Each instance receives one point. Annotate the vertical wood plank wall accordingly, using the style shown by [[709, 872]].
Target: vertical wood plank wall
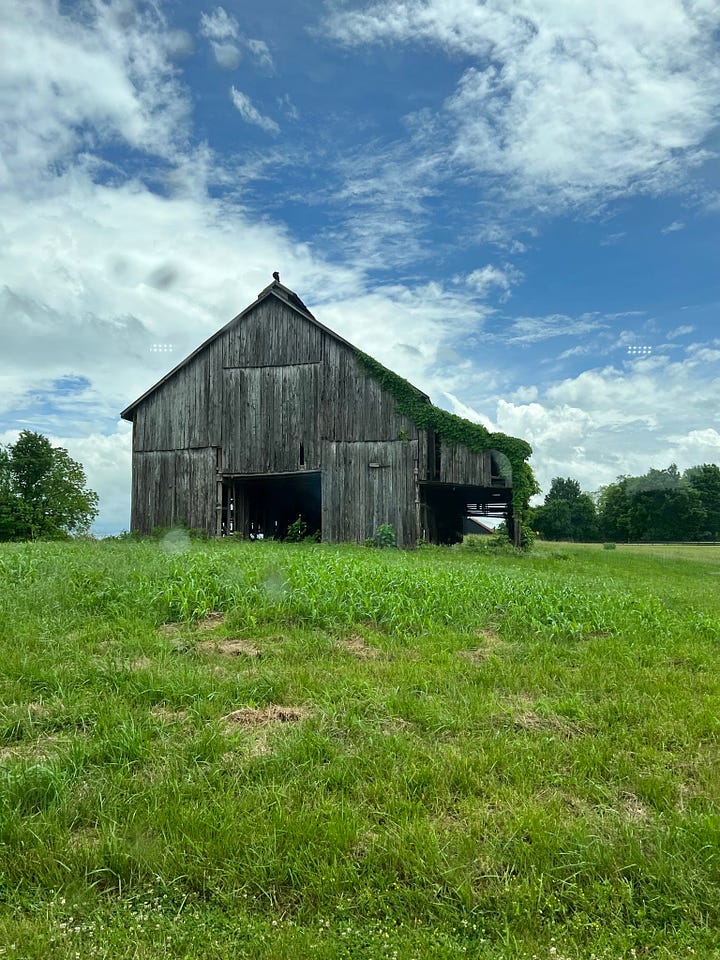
[[376, 477], [265, 385]]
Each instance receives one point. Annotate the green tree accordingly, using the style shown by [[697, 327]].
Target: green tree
[[661, 505], [705, 479], [665, 507], [43, 491], [563, 488], [614, 510], [567, 513]]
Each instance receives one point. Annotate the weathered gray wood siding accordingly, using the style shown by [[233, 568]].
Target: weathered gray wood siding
[[462, 466], [365, 484], [181, 413], [272, 335], [172, 487], [271, 413], [354, 406]]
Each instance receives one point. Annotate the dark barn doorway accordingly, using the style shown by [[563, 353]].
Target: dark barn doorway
[[263, 507], [446, 506]]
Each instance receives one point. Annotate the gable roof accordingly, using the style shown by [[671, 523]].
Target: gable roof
[[274, 289]]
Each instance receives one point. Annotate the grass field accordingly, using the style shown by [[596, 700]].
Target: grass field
[[262, 751]]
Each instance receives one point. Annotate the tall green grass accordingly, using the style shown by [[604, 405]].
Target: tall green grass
[[502, 756]]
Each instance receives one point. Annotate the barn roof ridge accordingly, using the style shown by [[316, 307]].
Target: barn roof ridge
[[276, 289]]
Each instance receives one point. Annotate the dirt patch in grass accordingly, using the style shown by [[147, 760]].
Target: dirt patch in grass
[[211, 621], [491, 642], [538, 723], [357, 647], [39, 748], [141, 663], [520, 714], [229, 647], [632, 808], [169, 716], [395, 725], [259, 716]]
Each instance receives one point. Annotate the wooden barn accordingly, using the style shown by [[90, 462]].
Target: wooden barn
[[275, 417]]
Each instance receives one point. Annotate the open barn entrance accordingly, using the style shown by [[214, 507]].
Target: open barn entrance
[[446, 506], [263, 507]]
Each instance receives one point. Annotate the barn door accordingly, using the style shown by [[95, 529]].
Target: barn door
[[366, 484]]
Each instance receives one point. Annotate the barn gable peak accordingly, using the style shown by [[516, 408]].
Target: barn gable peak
[[286, 294], [277, 290]]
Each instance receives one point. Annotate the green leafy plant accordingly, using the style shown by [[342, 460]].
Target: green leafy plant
[[297, 531], [384, 536]]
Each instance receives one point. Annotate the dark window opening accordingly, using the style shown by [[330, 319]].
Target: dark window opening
[[500, 469], [302, 455]]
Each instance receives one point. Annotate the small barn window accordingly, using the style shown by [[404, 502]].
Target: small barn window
[[302, 455]]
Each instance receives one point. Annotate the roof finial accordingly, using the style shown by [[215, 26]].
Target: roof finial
[[276, 277]]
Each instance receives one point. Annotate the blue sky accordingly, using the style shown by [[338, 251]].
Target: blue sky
[[513, 204]]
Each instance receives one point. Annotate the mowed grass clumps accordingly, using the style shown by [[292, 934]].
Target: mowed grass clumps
[[257, 750]]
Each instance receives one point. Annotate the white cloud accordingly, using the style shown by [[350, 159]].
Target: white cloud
[[288, 107], [222, 30], [227, 55], [69, 85], [681, 331], [219, 25], [244, 105], [261, 54], [612, 238], [489, 277], [569, 102], [673, 227], [469, 413], [105, 457], [381, 203], [528, 330], [699, 352]]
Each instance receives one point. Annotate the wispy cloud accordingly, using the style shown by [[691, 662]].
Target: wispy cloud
[[261, 54], [222, 31], [681, 331], [488, 278], [569, 104], [244, 105], [673, 227], [612, 238], [527, 330]]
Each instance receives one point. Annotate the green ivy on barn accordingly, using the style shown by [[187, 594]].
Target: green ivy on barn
[[414, 405]]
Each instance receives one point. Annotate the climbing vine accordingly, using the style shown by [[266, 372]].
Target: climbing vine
[[414, 405]]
